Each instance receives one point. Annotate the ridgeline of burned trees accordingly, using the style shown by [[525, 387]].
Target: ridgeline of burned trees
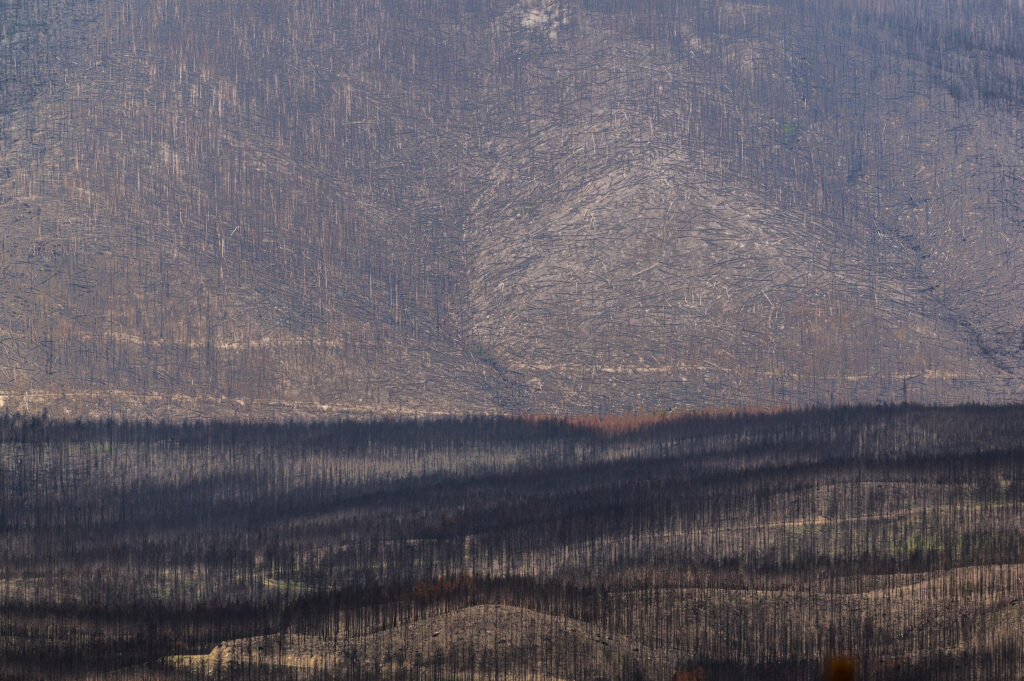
[[439, 206], [751, 546]]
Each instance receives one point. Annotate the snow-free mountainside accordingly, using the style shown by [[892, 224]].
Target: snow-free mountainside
[[314, 207]]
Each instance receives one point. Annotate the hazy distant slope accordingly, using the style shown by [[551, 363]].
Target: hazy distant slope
[[324, 207], [238, 228], [658, 273]]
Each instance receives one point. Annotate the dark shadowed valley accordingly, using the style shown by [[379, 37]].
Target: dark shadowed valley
[[746, 547]]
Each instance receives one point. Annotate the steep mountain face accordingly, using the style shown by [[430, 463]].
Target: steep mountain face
[[274, 209]]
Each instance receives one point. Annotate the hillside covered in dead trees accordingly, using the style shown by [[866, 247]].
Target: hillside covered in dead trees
[[313, 207], [691, 548]]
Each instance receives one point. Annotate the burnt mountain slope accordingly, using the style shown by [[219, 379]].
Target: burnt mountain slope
[[310, 208]]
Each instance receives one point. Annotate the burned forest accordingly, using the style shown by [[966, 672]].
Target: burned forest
[[511, 340], [744, 546], [339, 209]]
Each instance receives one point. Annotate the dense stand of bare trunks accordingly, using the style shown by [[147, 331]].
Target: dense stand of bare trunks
[[749, 546], [423, 206]]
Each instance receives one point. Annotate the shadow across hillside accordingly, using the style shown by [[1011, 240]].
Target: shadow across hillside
[[751, 546]]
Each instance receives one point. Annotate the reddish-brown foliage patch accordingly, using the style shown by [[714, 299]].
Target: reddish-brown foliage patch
[[695, 674], [613, 425], [840, 668]]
